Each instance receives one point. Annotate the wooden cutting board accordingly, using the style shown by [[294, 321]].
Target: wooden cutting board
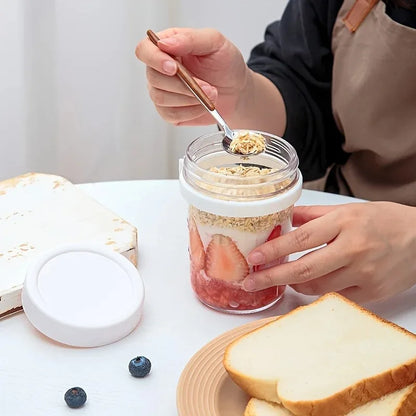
[[41, 211]]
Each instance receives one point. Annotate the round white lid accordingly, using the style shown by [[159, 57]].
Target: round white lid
[[83, 295], [230, 208]]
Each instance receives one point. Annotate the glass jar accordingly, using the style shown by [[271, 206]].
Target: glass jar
[[236, 203]]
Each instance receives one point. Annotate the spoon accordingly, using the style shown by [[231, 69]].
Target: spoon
[[194, 87]]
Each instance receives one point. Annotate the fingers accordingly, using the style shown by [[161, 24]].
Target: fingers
[[175, 85], [340, 282], [363, 293], [310, 235], [182, 115], [335, 281], [175, 103], [163, 98], [357, 257], [303, 214], [355, 293], [154, 58], [181, 42], [178, 42], [207, 55], [203, 120], [313, 265]]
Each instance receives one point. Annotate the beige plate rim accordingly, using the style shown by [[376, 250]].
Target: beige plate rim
[[204, 387]]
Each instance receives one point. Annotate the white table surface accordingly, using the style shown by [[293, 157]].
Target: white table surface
[[35, 372]]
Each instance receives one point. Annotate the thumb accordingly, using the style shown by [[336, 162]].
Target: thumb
[[191, 42]]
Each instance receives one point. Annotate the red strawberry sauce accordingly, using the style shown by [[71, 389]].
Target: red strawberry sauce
[[223, 295]]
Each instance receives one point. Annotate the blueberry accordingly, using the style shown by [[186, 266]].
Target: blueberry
[[75, 397], [140, 366]]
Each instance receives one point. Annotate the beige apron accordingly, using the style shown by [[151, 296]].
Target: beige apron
[[374, 102]]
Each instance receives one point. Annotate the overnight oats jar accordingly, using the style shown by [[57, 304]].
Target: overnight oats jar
[[236, 202]]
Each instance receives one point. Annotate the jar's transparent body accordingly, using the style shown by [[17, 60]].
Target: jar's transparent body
[[230, 214]]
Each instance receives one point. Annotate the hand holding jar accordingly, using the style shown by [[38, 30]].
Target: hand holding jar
[[366, 252]]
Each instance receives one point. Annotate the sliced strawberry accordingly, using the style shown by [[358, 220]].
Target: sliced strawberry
[[275, 233], [196, 248], [224, 260]]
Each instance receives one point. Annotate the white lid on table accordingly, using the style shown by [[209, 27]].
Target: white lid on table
[[83, 295]]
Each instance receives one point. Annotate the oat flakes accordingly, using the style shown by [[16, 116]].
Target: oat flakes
[[250, 224], [247, 142], [241, 170], [225, 186]]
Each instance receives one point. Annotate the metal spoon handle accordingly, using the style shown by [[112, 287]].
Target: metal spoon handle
[[187, 78]]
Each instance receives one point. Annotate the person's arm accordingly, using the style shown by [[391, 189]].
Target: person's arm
[[296, 56], [286, 90], [260, 106]]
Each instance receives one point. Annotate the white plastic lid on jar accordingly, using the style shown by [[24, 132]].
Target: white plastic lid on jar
[[276, 189], [83, 295], [230, 208]]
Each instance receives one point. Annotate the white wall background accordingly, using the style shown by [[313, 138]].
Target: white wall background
[[73, 97]]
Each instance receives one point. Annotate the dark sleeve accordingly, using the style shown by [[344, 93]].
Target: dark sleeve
[[296, 56]]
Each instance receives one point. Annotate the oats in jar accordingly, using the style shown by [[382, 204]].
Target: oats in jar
[[247, 142], [248, 224], [256, 183], [242, 170]]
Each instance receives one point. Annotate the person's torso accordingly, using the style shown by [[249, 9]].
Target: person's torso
[[374, 104]]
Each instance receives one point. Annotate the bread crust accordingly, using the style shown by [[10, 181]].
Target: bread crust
[[407, 406], [249, 410], [343, 401], [272, 408]]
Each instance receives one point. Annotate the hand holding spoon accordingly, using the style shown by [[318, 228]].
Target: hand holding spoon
[[194, 87], [270, 145]]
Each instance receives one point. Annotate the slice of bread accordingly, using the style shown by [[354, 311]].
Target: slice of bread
[[258, 407], [399, 403], [323, 359]]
